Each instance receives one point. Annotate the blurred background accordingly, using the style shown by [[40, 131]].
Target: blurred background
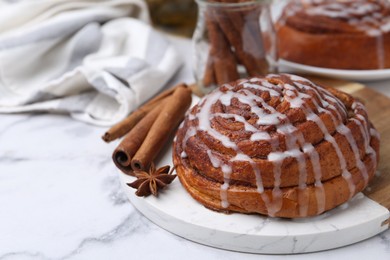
[[174, 16]]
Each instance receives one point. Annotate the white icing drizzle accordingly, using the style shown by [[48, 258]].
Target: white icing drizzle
[[248, 127], [363, 15], [329, 138], [298, 78], [361, 121], [264, 87], [290, 133], [190, 133], [296, 99], [241, 81], [265, 118], [205, 116], [270, 118], [363, 132], [191, 117], [213, 159], [204, 121], [345, 131], [226, 99], [260, 136], [375, 133], [308, 147], [342, 129], [224, 198], [227, 171], [296, 146], [324, 101], [339, 10], [204, 125]]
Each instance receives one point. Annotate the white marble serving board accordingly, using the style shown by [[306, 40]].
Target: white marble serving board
[[176, 211]]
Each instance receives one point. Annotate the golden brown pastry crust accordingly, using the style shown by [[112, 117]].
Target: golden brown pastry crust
[[308, 122], [352, 35]]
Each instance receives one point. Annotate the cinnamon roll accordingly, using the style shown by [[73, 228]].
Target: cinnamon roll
[[280, 146], [339, 34]]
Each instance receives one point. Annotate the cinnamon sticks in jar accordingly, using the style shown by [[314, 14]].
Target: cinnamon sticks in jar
[[236, 39], [148, 129]]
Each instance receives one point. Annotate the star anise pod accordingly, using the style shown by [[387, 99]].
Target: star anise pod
[[150, 182]]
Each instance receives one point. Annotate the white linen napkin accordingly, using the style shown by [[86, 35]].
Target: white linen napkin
[[87, 58]]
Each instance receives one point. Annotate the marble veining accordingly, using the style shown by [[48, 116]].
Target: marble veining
[[60, 198], [385, 240], [123, 229]]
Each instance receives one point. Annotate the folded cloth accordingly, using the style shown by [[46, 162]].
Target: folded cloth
[[88, 58]]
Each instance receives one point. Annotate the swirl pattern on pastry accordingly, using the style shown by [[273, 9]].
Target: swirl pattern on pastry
[[279, 146], [320, 32]]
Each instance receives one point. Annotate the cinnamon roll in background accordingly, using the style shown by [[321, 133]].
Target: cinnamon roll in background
[[339, 34], [279, 146]]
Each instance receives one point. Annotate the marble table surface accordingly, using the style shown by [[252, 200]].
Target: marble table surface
[[60, 198]]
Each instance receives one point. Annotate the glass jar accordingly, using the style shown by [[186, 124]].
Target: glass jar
[[232, 40]]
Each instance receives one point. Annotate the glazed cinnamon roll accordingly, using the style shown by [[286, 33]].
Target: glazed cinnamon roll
[[340, 34], [279, 146]]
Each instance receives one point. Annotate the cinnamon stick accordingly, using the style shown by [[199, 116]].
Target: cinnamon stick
[[225, 65], [257, 45], [123, 127], [237, 27], [234, 38], [171, 115], [133, 140], [235, 16]]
